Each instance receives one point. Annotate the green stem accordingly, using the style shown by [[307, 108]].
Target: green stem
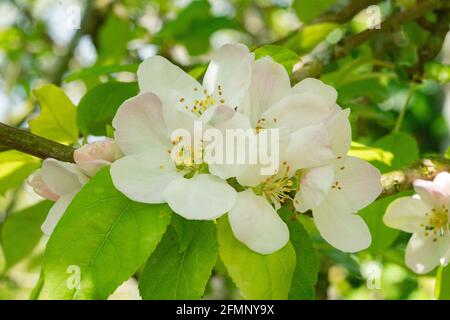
[[402, 113]]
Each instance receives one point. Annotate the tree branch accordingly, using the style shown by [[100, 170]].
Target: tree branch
[[314, 68], [342, 15], [402, 180], [29, 143]]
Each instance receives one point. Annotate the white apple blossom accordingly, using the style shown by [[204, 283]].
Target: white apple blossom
[[60, 181], [153, 171], [240, 93], [316, 136], [426, 216]]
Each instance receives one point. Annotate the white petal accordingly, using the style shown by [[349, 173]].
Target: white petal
[[256, 224], [340, 133], [314, 188], [315, 86], [297, 111], [224, 118], [56, 212], [230, 69], [442, 180], [39, 186], [430, 192], [62, 177], [309, 147], [358, 185], [344, 231], [270, 83], [203, 197], [160, 76], [407, 214], [423, 254], [144, 177], [140, 124]]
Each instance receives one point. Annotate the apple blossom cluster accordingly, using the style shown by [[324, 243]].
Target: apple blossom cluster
[[426, 216], [237, 93]]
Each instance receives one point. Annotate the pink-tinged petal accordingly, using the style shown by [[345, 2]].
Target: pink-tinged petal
[[344, 231], [340, 132], [144, 177], [423, 253], [314, 187], [270, 83], [255, 223], [297, 111], [159, 76], [442, 180], [140, 125], [407, 214], [38, 184], [62, 178], [203, 197], [356, 185], [430, 192], [93, 156], [315, 86], [229, 74], [309, 147], [56, 212]]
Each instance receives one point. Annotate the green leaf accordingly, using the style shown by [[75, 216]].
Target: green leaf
[[194, 26], [403, 147], [15, 167], [101, 241], [442, 290], [100, 70], [99, 106], [174, 274], [186, 230], [113, 39], [370, 154], [311, 36], [280, 54], [382, 236], [21, 232], [307, 267], [307, 10], [257, 276], [57, 120]]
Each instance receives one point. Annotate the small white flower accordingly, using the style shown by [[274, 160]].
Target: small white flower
[[60, 181], [426, 216]]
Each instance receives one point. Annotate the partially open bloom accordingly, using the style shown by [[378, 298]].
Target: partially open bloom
[[57, 181], [426, 216], [93, 156], [60, 181]]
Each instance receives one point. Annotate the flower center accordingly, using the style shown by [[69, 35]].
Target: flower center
[[277, 188], [205, 101], [437, 223], [185, 157]]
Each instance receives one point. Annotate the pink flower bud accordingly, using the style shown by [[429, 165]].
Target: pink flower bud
[[93, 156]]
